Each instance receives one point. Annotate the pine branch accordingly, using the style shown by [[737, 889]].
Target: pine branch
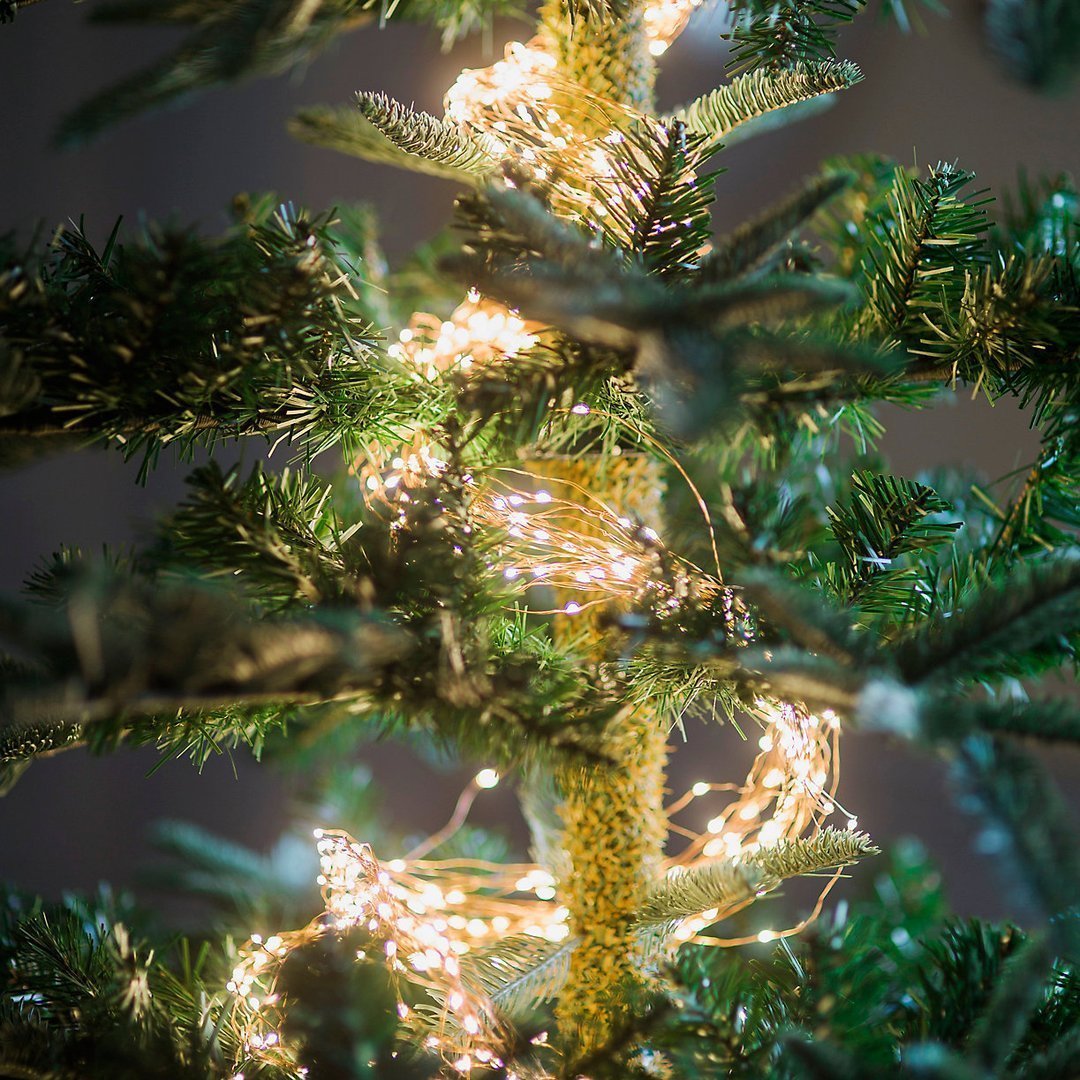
[[83, 995], [519, 972], [655, 206], [919, 253], [1046, 721], [178, 339], [230, 41], [754, 243], [761, 100], [886, 518], [813, 622], [383, 130], [124, 650], [721, 884], [782, 34], [1020, 623], [829, 849], [725, 883], [1028, 828], [282, 535], [1005, 1021]]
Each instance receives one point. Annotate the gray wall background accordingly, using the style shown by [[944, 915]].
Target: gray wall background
[[74, 820]]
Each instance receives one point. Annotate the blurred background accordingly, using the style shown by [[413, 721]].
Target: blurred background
[[74, 820]]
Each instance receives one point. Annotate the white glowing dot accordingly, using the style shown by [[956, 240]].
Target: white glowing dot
[[572, 608], [581, 409], [699, 789], [766, 935], [486, 778]]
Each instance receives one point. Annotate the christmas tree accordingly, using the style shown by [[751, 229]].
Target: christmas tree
[[599, 470]]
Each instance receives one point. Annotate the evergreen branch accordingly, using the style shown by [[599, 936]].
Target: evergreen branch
[[886, 518], [1020, 623], [1046, 721], [654, 206], [383, 130], [920, 251], [523, 971], [82, 995], [725, 883], [755, 242], [519, 972], [119, 651], [1028, 825], [178, 339], [721, 883], [281, 533], [230, 41], [830, 849], [277, 886], [762, 99], [1005, 1021], [813, 623], [783, 34]]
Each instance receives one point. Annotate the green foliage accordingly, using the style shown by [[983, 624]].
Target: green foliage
[[782, 34], [1038, 42], [921, 247], [282, 536], [236, 40], [881, 989], [756, 242], [228, 41], [193, 660], [83, 995], [178, 339], [762, 100], [1018, 624], [885, 519], [722, 883], [356, 610], [383, 130]]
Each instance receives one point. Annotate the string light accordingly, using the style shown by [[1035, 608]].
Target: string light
[[479, 333], [427, 917]]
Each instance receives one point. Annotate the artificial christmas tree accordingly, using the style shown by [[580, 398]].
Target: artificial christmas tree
[[522, 413]]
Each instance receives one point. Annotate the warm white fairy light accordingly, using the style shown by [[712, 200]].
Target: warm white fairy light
[[479, 333], [665, 21], [426, 916], [583, 547]]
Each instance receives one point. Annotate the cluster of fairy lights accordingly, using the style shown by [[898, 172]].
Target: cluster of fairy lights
[[429, 920], [425, 918]]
